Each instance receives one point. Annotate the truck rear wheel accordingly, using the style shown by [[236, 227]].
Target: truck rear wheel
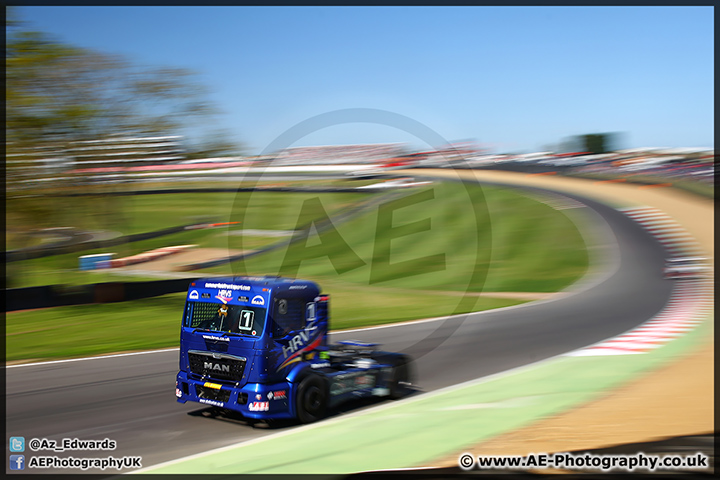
[[312, 399]]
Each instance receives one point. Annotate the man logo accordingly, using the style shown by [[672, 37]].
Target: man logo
[[258, 300], [216, 367], [194, 295]]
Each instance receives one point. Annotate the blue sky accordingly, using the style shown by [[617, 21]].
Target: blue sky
[[514, 78]]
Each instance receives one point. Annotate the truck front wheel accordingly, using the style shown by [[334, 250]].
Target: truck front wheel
[[311, 399]]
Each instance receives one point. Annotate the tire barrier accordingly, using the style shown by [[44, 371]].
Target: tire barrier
[[62, 295], [145, 256]]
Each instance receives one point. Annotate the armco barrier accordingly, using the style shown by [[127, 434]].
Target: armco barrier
[[219, 190], [60, 295], [147, 256], [30, 297], [138, 290], [47, 296]]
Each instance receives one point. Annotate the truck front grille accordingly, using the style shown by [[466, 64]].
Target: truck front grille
[[212, 394], [220, 366]]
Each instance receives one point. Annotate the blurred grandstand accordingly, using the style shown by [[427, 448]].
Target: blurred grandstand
[[82, 161], [339, 154], [123, 158]]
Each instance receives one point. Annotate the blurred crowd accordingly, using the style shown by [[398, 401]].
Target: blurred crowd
[[692, 166], [338, 154], [671, 163]]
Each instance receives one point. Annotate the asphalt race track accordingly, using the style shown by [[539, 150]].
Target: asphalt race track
[[131, 398]]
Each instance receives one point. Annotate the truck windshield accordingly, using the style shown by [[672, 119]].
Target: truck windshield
[[218, 317]]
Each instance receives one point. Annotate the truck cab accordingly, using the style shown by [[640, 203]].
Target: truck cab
[[258, 346]]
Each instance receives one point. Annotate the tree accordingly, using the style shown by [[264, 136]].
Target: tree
[[595, 143], [213, 145], [60, 97], [600, 142], [57, 94]]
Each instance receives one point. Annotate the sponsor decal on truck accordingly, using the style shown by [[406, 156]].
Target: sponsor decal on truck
[[302, 342], [259, 406], [277, 395]]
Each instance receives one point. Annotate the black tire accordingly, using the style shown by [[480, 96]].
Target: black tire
[[312, 399]]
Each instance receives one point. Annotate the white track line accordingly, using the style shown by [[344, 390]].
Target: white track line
[[92, 358]]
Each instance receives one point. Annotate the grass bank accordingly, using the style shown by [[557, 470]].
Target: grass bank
[[412, 257]]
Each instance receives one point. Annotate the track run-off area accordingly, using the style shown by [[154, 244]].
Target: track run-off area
[[480, 375]]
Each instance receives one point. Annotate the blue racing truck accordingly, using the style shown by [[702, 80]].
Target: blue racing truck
[[258, 346]]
